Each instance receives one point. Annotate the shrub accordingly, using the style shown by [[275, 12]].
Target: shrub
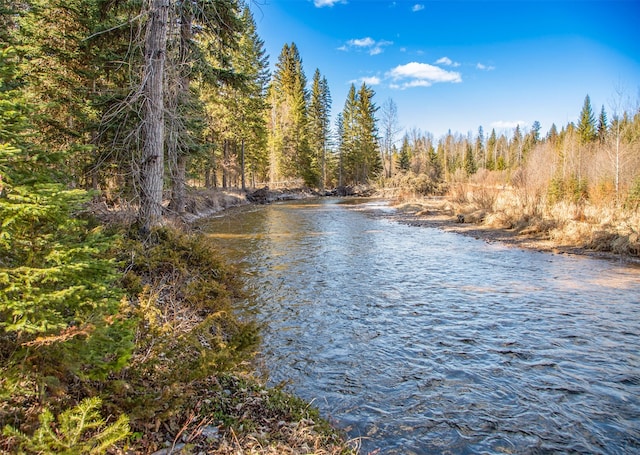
[[80, 430]]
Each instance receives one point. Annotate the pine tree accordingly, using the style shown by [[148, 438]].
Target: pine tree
[[62, 67], [251, 62], [602, 126], [153, 116], [367, 138], [470, 166], [319, 128], [215, 21], [59, 304], [479, 151], [535, 132], [435, 162], [404, 159], [552, 135], [492, 145], [587, 125], [288, 122]]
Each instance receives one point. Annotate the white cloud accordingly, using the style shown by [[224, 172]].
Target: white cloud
[[361, 42], [417, 7], [321, 3], [482, 67], [446, 61], [416, 74], [369, 80], [417, 83], [507, 124], [372, 46]]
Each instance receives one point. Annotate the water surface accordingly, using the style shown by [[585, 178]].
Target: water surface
[[426, 342]]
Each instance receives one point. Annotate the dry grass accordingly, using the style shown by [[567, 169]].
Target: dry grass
[[584, 225]]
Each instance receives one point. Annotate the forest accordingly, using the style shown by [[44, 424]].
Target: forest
[[113, 328]]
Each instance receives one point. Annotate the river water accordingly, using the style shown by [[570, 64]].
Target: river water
[[420, 341]]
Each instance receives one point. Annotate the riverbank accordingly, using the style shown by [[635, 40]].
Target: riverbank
[[535, 234], [190, 386]]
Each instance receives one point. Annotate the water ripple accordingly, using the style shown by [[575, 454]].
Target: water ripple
[[421, 341]]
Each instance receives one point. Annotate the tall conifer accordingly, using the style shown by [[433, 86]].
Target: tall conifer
[[602, 125], [319, 127], [587, 124], [288, 122]]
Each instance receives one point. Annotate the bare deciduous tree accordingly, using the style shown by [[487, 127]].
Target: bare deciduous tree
[[390, 129]]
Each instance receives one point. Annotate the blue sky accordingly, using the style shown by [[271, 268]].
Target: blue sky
[[457, 65]]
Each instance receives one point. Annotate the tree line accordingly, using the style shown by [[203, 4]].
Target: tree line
[[596, 159]]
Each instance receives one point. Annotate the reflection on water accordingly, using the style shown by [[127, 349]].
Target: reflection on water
[[422, 341]]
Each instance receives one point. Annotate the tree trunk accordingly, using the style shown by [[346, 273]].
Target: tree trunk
[[176, 155], [152, 166], [323, 172], [225, 163], [242, 166]]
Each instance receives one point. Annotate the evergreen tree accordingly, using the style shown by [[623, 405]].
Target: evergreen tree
[[602, 125], [552, 135], [62, 65], [359, 141], [58, 302], [319, 127], [153, 116], [587, 124], [435, 162], [288, 122], [535, 132], [470, 166], [348, 137], [251, 62], [480, 152], [492, 154], [215, 21], [234, 93], [367, 138], [404, 160]]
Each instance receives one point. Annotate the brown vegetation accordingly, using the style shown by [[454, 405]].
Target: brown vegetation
[[496, 214]]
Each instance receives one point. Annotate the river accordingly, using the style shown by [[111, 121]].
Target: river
[[421, 341]]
